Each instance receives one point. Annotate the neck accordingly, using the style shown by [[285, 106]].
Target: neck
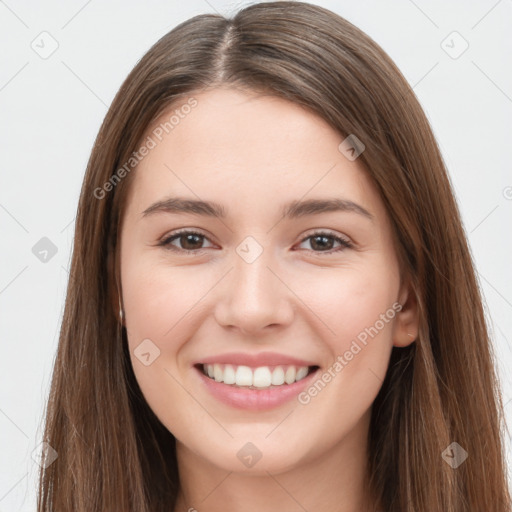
[[333, 481]]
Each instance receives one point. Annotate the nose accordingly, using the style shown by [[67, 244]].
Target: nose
[[254, 297]]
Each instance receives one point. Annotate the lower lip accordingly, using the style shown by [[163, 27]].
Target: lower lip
[[255, 399]]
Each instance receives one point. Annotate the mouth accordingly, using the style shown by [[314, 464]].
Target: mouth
[[256, 378], [256, 389]]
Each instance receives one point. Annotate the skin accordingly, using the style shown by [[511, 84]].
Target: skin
[[252, 153]]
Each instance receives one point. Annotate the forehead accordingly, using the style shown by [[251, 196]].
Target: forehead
[[247, 149]]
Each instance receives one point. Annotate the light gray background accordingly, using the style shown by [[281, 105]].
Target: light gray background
[[51, 110]]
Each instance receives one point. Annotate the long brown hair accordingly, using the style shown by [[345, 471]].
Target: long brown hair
[[113, 453]]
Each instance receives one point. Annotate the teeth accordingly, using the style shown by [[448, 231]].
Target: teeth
[[261, 377], [243, 376], [217, 373], [278, 376], [301, 373], [289, 376], [229, 374]]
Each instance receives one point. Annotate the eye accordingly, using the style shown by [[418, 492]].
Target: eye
[[324, 240], [190, 241]]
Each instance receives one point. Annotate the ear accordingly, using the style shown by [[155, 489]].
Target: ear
[[406, 327], [113, 287]]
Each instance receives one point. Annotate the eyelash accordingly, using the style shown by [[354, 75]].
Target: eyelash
[[166, 242]]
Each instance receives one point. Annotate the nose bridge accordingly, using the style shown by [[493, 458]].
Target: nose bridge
[[254, 296]]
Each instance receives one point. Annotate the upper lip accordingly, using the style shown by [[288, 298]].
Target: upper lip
[[255, 360]]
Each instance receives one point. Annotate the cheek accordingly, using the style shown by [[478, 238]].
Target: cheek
[[350, 302], [157, 300], [357, 309], [157, 303]]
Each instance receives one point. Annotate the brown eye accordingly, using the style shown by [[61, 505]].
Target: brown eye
[[189, 241], [322, 242]]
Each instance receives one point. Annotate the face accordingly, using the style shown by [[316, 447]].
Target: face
[[255, 288]]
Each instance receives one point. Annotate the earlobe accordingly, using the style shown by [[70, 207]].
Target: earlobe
[[406, 325]]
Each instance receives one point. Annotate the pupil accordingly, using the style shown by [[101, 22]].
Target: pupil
[[325, 241], [191, 238]]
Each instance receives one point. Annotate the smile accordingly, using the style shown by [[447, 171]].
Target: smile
[[262, 377], [253, 385]]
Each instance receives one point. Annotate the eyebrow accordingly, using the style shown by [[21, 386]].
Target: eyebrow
[[292, 210]]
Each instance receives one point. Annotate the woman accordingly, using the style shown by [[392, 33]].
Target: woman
[[272, 305]]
